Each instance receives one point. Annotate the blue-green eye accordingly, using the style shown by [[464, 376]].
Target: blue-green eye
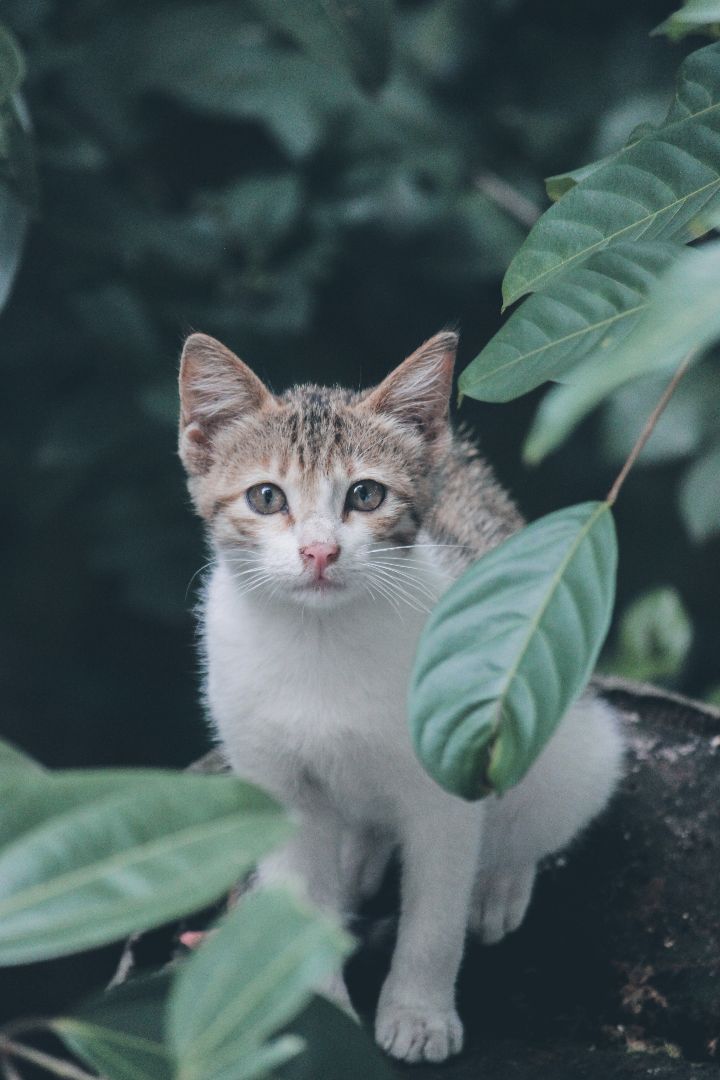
[[365, 495], [266, 498]]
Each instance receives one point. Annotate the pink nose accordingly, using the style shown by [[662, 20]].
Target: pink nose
[[319, 556]]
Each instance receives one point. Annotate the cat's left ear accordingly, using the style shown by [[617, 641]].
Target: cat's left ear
[[418, 392], [215, 387]]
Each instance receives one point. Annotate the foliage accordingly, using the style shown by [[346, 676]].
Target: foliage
[[323, 188], [656, 188], [694, 17], [508, 648], [87, 858], [514, 640], [653, 638]]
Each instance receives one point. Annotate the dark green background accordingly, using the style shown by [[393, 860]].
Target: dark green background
[[197, 172]]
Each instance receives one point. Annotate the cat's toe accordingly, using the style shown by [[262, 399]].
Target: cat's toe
[[415, 1034]]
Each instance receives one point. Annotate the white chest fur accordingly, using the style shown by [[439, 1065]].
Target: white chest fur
[[316, 696]]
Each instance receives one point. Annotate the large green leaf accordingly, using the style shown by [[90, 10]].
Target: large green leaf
[[682, 314], [586, 312], [655, 188], [121, 1033], [700, 496], [509, 647], [247, 980], [694, 17], [354, 37], [559, 184], [91, 857]]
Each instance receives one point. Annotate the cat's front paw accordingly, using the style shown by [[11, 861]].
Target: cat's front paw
[[417, 1033]]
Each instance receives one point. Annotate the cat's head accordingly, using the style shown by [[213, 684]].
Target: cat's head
[[309, 493]]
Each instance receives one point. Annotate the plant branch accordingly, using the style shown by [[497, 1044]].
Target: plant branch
[[649, 428], [58, 1066], [508, 198]]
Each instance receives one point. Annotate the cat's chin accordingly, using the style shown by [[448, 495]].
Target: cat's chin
[[320, 594]]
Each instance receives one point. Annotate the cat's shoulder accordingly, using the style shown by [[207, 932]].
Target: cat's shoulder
[[472, 512]]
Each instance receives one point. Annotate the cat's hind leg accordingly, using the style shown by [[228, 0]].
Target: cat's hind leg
[[568, 785]]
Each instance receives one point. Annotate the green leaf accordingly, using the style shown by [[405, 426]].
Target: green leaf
[[694, 17], [91, 857], [559, 185], [700, 496], [586, 312], [14, 763], [249, 978], [682, 315], [655, 188], [12, 64], [509, 647], [335, 1046], [121, 1033], [654, 637], [353, 37]]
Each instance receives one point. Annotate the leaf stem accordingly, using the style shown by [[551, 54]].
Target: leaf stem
[[58, 1066], [649, 428]]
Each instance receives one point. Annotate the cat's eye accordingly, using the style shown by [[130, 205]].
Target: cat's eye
[[266, 498], [365, 495]]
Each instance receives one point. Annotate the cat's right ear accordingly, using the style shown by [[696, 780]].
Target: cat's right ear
[[215, 387]]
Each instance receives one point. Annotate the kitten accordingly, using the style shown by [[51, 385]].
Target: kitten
[[336, 520]]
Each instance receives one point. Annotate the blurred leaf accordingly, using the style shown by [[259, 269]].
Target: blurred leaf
[[13, 226], [654, 638], [14, 763], [90, 857], [712, 695], [509, 647], [692, 413], [12, 64], [353, 37], [335, 1046], [700, 496], [694, 17], [18, 183], [654, 189], [245, 981], [215, 60], [258, 211], [121, 1033], [586, 312], [682, 315]]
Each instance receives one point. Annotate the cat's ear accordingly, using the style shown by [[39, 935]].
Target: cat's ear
[[418, 392], [215, 386]]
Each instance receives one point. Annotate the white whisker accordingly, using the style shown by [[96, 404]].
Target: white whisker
[[410, 580]]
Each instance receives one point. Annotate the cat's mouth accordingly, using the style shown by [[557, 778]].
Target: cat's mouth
[[319, 585]]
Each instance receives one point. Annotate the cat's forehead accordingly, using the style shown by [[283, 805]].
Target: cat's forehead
[[318, 426]]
